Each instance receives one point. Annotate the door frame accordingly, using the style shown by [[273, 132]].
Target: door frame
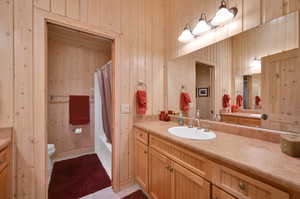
[[41, 19], [212, 85]]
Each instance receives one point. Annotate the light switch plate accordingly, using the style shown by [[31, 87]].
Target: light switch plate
[[125, 108]]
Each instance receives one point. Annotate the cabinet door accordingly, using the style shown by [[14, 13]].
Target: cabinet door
[[3, 184], [159, 176], [186, 184], [220, 194], [141, 164]]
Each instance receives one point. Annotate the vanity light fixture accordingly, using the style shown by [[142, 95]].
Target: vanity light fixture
[[224, 14], [186, 35], [256, 64], [202, 25]]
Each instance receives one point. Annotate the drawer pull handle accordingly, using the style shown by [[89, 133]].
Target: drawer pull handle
[[242, 186]]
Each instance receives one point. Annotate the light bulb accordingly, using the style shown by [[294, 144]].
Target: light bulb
[[256, 65], [223, 15], [201, 27], [186, 35]]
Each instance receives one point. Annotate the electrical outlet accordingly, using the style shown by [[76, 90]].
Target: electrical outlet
[[125, 108]]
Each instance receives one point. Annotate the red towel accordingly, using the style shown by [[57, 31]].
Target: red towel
[[226, 101], [79, 110], [185, 100], [257, 100], [239, 101], [141, 99]]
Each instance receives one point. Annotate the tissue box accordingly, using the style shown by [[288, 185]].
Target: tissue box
[[290, 145]]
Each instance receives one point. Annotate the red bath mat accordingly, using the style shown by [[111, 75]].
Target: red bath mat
[[137, 195], [77, 177]]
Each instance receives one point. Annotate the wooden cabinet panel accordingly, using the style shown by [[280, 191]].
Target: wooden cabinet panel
[[229, 119], [4, 193], [141, 164], [159, 176], [250, 122], [141, 135], [4, 158], [245, 187], [220, 194], [186, 184], [192, 161]]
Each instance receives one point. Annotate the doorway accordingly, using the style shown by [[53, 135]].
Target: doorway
[[204, 91], [74, 61]]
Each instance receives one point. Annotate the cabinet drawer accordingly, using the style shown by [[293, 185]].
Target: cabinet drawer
[[189, 160], [245, 187], [141, 136], [220, 194], [4, 158]]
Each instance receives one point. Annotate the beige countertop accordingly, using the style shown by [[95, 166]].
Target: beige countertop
[[241, 114], [4, 142], [259, 158]]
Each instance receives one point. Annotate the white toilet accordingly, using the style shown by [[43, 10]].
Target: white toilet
[[51, 151]]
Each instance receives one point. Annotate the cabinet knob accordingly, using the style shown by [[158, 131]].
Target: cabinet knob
[[1, 161], [168, 167], [145, 152], [171, 169], [242, 186]]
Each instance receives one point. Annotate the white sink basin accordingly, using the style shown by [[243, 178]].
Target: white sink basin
[[191, 133]]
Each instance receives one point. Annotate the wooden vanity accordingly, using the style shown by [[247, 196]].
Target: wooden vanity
[[246, 119], [5, 165], [168, 168]]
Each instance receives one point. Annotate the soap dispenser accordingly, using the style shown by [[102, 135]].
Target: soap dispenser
[[180, 120]]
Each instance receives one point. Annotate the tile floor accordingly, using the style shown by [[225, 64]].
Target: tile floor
[[108, 193]]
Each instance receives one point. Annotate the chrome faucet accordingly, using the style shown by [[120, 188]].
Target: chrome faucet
[[198, 123]]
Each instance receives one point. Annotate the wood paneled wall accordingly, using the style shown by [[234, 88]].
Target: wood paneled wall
[[278, 35], [141, 26], [181, 71], [251, 14], [72, 60], [6, 73]]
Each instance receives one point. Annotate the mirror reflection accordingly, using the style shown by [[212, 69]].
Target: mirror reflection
[[249, 79]]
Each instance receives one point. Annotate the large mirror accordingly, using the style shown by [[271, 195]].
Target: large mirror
[[249, 79]]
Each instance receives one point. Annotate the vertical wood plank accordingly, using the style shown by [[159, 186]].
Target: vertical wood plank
[[251, 14], [110, 13], [42, 4], [58, 7], [73, 9], [23, 103], [6, 75]]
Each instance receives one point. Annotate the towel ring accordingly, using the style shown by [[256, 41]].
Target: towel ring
[[183, 88], [142, 84]]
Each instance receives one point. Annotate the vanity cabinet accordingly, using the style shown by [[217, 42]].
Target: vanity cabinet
[[218, 193], [160, 176], [168, 179], [141, 159], [178, 173], [4, 173]]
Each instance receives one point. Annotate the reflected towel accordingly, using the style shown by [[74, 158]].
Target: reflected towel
[[185, 100]]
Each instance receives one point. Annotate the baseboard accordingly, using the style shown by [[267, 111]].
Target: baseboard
[[72, 154]]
